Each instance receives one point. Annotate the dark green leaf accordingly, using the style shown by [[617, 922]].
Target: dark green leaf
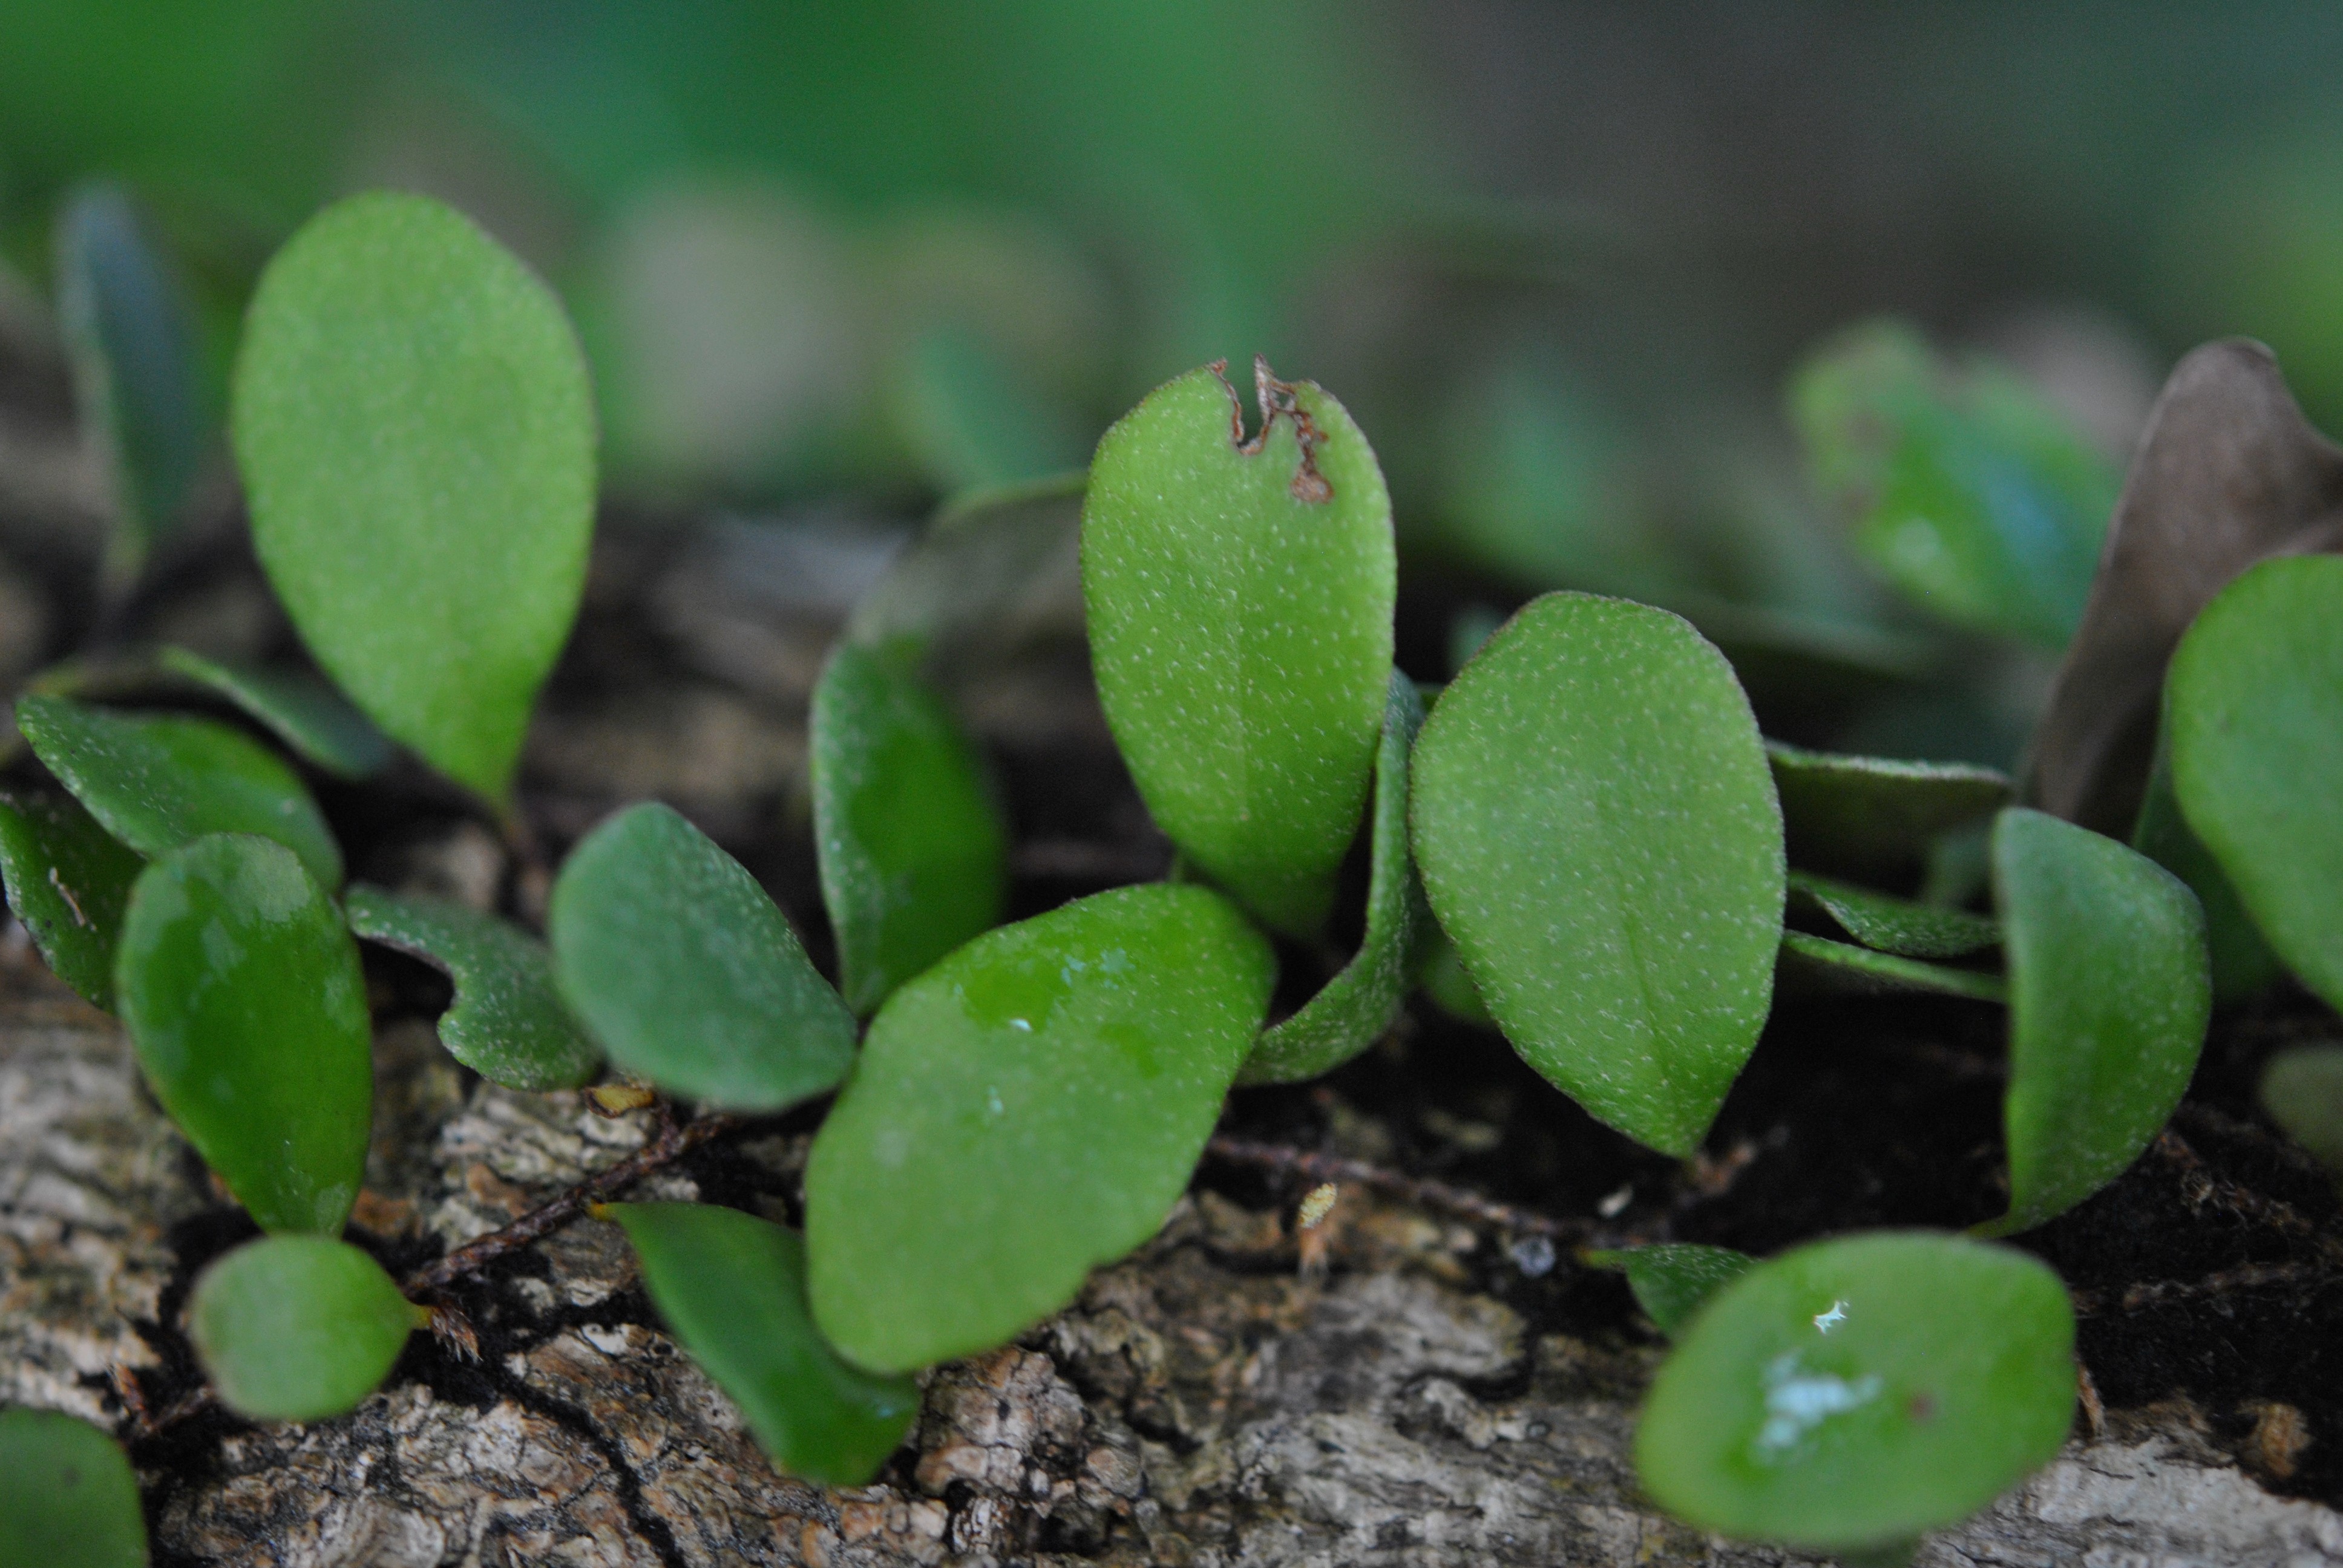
[[2109, 994], [732, 1287], [2242, 962], [1874, 816], [1857, 1393], [1029, 1107], [156, 781], [681, 967], [1598, 835], [241, 991], [67, 881], [2302, 1092], [309, 716], [1893, 925], [1240, 601], [416, 432], [508, 1022], [68, 1498], [297, 1328], [1355, 1009], [1671, 1280], [1818, 964]]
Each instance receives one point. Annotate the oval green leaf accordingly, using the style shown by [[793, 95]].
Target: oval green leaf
[[413, 422], [1027, 1108], [1358, 1006], [1240, 599], [1875, 816], [1672, 1280], [508, 1022], [317, 722], [297, 1328], [1857, 1393], [157, 781], [1812, 964], [1893, 925], [68, 880], [913, 855], [2109, 994], [679, 964], [241, 991], [1598, 834], [2243, 962], [67, 1497], [2302, 1092], [732, 1287]]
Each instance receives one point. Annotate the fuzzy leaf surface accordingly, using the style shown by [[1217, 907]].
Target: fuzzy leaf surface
[[297, 1328], [1812, 964], [68, 1498], [1873, 816], [68, 880], [1893, 925]]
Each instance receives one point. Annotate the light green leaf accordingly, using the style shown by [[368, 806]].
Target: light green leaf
[[68, 1498], [309, 716], [2255, 703], [1240, 603], [679, 964], [2109, 994], [1816, 964], [912, 851], [297, 1328], [242, 994], [2302, 1092], [416, 432], [1893, 925], [157, 781], [67, 881], [1875, 816], [1357, 1007], [1029, 1107], [2242, 962], [732, 1288], [1857, 1393], [508, 1022], [1599, 837], [1673, 1280]]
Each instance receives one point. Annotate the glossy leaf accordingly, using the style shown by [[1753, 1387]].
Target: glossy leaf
[[1598, 835], [309, 716], [241, 991], [1671, 1280], [681, 967], [67, 1496], [508, 1022], [1857, 1393], [416, 432], [1875, 816], [2109, 994], [912, 851], [2243, 962], [1239, 597], [157, 781], [1029, 1107], [1818, 964], [1359, 1005], [2302, 1092], [67, 881], [732, 1287], [2256, 708], [1893, 925], [297, 1328]]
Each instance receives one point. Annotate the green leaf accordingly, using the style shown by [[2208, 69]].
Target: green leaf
[[242, 994], [1811, 964], [2242, 962], [1875, 816], [1857, 1393], [991, 570], [157, 781], [682, 967], [1240, 600], [1028, 1108], [1672, 1280], [972, 418], [912, 850], [68, 1498], [309, 716], [2302, 1092], [67, 881], [1598, 835], [732, 1287], [297, 1328], [2255, 702], [2109, 991], [1893, 925], [1358, 1006], [416, 432], [508, 1022], [1968, 490], [1443, 976]]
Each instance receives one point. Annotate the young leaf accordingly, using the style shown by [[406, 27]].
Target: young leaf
[[1672, 1280], [1354, 1009], [508, 1022], [1875, 816], [681, 967], [309, 716], [67, 1497], [1818, 964], [2302, 1092], [157, 781], [912, 851], [1893, 925], [2242, 962], [732, 1287], [413, 422], [67, 881], [1239, 597], [297, 1328], [1857, 1393], [2109, 994], [242, 994], [1598, 835], [2256, 707], [1029, 1107]]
